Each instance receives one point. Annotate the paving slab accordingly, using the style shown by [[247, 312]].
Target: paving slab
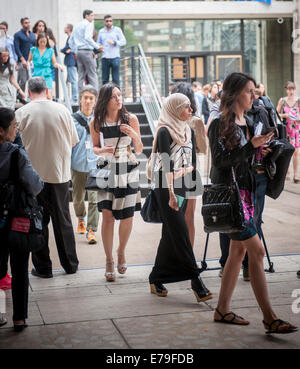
[[81, 335], [197, 330]]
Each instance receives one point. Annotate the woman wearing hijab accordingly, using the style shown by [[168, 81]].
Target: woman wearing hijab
[[174, 160]]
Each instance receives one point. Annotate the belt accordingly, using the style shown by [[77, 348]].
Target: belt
[[260, 171]]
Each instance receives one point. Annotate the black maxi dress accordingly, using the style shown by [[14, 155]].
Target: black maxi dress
[[175, 260]]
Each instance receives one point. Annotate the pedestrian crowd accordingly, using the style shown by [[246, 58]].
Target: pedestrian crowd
[[234, 120]]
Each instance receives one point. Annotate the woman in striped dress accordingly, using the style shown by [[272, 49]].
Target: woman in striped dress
[[113, 127]]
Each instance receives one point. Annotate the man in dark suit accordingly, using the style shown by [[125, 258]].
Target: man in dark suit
[[70, 63]]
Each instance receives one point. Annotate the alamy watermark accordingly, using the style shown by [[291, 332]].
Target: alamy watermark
[[296, 303]]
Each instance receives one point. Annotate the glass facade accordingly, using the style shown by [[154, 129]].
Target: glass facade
[[186, 35], [205, 50]]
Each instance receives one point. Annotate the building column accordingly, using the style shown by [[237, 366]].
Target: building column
[[296, 45]]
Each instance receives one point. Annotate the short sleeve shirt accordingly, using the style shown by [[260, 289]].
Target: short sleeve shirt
[[48, 134]]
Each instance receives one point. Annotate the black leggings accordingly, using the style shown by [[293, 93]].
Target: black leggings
[[175, 260], [19, 269]]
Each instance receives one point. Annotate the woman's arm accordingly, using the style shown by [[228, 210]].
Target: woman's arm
[[13, 81], [55, 64], [30, 57], [95, 136], [133, 130], [221, 157], [279, 109]]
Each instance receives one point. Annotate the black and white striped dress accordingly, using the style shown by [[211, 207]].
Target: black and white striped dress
[[124, 197]]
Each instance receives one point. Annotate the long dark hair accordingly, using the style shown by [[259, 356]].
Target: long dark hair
[[35, 27], [186, 89], [100, 113], [232, 87], [3, 66]]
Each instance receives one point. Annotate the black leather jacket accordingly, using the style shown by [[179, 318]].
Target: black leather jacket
[[223, 160]]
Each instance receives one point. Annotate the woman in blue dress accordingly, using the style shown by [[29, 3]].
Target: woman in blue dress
[[42, 56]]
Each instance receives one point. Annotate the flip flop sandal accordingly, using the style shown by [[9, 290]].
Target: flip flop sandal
[[290, 328], [232, 321]]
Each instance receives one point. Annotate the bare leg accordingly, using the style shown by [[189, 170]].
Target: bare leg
[[107, 232], [230, 275], [256, 254], [125, 229], [295, 162], [189, 218]]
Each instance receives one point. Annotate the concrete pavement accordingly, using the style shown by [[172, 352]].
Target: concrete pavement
[[84, 311]]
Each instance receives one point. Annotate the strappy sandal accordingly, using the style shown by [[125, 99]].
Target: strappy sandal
[[110, 276], [279, 323], [121, 267], [230, 321]]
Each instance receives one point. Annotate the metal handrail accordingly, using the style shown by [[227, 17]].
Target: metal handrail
[[142, 86], [64, 85]]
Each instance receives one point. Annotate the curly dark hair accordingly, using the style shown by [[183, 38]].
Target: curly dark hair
[[100, 112], [232, 87], [186, 89]]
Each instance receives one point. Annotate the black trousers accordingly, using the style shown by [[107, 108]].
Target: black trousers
[[55, 200], [175, 260], [19, 269]]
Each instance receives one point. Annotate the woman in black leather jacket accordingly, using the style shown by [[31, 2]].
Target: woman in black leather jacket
[[232, 145], [32, 183]]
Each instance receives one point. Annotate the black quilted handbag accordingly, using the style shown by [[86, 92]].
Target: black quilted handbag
[[222, 208]]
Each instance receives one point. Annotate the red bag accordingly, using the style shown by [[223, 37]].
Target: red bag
[[20, 225]]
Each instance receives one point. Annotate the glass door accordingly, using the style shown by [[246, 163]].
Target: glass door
[[226, 64]]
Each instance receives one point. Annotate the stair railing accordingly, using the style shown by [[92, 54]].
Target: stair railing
[[138, 84]]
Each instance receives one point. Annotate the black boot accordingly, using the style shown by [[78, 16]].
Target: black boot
[[200, 291]]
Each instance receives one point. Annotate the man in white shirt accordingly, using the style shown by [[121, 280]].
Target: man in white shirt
[[48, 134], [111, 38], [83, 44]]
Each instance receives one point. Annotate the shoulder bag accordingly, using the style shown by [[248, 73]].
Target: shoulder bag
[[25, 224], [222, 208], [150, 210], [101, 178]]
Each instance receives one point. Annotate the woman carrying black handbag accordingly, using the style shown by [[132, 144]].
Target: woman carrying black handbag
[[32, 183], [174, 145], [233, 145]]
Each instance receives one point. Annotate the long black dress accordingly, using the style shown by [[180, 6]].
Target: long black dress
[[175, 260]]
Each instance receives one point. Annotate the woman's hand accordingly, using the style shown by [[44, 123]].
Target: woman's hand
[[265, 151], [260, 140], [106, 150], [128, 131], [109, 149], [173, 201], [22, 94], [181, 172]]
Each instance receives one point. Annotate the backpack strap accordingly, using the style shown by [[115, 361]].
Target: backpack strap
[[81, 121], [14, 166]]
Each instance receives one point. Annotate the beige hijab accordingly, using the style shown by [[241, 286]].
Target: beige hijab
[[170, 118]]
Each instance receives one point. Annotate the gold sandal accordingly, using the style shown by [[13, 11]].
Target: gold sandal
[[110, 276], [122, 267]]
